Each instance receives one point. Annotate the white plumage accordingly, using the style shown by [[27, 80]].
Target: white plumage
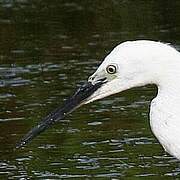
[[147, 62]]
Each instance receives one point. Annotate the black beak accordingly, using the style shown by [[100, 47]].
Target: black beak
[[70, 105]]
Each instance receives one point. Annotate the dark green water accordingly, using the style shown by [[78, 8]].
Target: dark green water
[[46, 49]]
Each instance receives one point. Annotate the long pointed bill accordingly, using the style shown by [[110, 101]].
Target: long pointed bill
[[70, 105]]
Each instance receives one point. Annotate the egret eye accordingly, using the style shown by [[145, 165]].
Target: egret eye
[[111, 69]]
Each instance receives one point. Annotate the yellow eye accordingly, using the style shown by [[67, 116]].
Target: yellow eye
[[111, 69]]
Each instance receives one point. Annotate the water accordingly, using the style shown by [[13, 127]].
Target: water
[[48, 48]]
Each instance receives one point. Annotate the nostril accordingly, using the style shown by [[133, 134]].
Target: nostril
[[91, 78]]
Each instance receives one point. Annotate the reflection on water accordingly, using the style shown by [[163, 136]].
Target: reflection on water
[[48, 48]]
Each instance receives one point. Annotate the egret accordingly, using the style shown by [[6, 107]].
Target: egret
[[133, 64]]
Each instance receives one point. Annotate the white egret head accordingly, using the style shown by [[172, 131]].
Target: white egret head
[[130, 64]]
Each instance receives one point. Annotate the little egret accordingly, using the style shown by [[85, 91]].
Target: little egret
[[133, 64]]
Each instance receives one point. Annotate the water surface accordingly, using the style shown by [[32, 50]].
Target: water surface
[[48, 48]]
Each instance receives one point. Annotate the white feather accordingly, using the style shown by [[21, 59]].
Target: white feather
[[147, 62]]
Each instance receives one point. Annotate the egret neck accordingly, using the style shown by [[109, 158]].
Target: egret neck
[[165, 113]]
